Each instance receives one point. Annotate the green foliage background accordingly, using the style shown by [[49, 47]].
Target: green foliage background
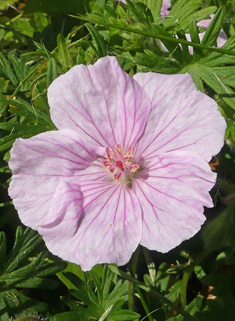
[[40, 41]]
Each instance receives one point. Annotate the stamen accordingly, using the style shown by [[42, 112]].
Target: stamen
[[120, 164]]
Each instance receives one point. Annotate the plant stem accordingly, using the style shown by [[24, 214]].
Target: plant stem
[[187, 273], [142, 299]]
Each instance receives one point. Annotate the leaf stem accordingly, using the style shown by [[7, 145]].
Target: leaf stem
[[142, 299], [187, 273], [172, 39]]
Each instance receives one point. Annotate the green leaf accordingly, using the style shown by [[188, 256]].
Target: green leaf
[[106, 286], [15, 300], [99, 42], [182, 9], [24, 272], [119, 292], [214, 28], [24, 108], [97, 283], [51, 268], [81, 294], [5, 3], [71, 303], [152, 61], [155, 8], [193, 29], [38, 283], [80, 56], [66, 316], [63, 52], [7, 71], [3, 249], [106, 313], [124, 315], [17, 67], [7, 141], [23, 253], [51, 71]]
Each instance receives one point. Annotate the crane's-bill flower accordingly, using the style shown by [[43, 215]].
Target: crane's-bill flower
[[128, 164]]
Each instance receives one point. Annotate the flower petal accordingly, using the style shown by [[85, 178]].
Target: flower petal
[[38, 165], [108, 106], [165, 8], [172, 199], [182, 118], [107, 229]]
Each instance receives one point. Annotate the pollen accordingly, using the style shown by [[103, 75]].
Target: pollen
[[120, 164]]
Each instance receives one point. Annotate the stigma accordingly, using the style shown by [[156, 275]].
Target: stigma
[[120, 164]]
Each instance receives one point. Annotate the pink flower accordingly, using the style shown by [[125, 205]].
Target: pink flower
[[165, 7], [128, 165]]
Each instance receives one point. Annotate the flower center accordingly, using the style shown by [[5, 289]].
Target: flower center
[[120, 164]]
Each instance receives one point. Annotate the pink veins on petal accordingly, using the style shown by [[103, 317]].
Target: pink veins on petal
[[128, 164]]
